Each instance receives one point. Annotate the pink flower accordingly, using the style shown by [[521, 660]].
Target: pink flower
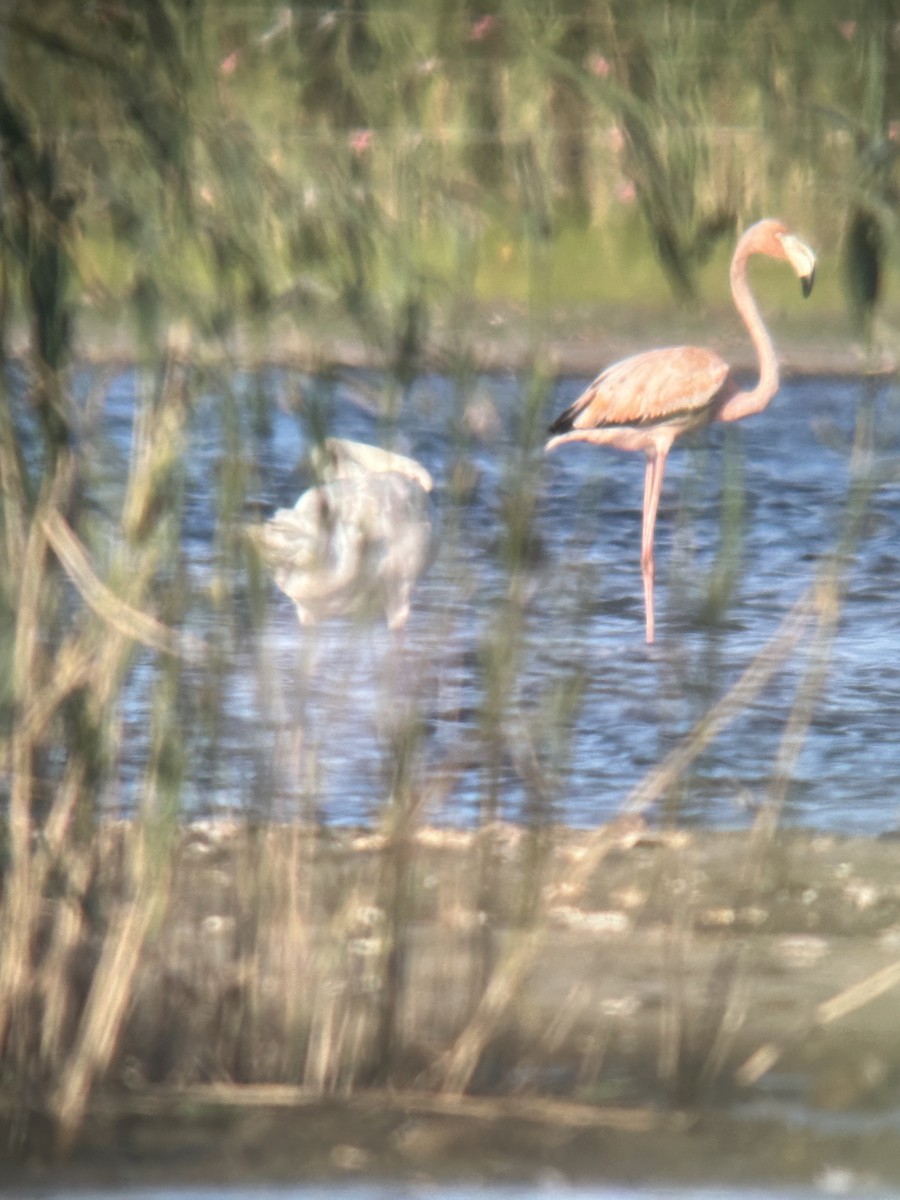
[[361, 140], [626, 192], [847, 30], [482, 28], [598, 65], [229, 63]]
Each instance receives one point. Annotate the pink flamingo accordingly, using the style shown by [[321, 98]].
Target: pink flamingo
[[647, 401]]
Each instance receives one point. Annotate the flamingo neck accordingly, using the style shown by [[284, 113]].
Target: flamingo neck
[[746, 403]]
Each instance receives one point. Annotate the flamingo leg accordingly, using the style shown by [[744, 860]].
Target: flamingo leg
[[656, 468]]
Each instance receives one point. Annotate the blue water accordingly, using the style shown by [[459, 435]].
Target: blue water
[[529, 691]]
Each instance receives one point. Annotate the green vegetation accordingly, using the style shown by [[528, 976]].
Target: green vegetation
[[385, 164], [199, 182]]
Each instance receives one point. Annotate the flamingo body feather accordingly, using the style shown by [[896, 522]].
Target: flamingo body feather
[[657, 385]]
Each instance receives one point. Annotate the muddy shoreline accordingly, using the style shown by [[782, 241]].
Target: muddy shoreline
[[683, 1006], [390, 1139], [500, 338]]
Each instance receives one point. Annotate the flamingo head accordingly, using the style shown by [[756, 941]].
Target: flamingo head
[[773, 238]]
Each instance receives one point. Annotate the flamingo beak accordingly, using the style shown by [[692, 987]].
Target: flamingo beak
[[801, 259]]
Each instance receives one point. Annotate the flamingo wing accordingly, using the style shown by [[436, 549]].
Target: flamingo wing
[[655, 386], [359, 537]]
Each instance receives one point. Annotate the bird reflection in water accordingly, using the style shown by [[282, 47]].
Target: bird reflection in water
[[356, 543]]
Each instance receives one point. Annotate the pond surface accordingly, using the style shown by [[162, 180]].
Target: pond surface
[[522, 686]]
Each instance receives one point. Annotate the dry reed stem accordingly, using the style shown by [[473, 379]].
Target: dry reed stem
[[294, 938], [72, 668], [458, 1065], [58, 821], [842, 1004], [12, 487], [21, 898], [858, 994], [110, 992], [674, 1006], [281, 898], [318, 1068], [157, 443], [827, 596], [53, 981], [767, 663], [733, 1015], [110, 608], [25, 675], [541, 1110]]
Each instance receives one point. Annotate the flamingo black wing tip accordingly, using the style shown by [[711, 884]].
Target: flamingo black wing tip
[[563, 423]]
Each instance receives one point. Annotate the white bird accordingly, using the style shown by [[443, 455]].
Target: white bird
[[360, 539]]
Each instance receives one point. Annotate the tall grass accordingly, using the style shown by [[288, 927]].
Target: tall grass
[[201, 184]]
